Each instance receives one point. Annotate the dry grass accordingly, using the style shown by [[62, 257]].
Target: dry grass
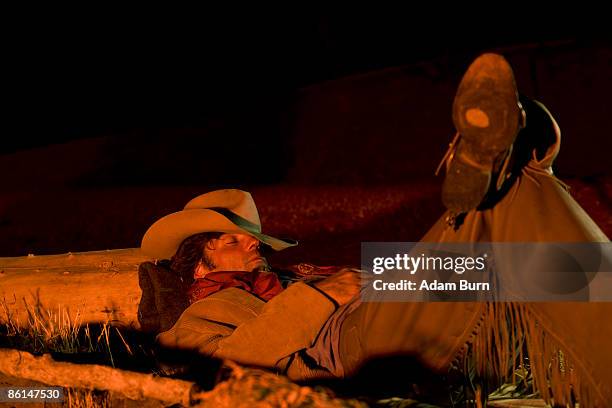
[[77, 398], [57, 331]]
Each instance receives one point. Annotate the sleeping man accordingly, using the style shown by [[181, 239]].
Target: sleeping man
[[499, 187]]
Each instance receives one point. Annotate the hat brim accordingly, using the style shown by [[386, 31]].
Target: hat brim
[[163, 238]]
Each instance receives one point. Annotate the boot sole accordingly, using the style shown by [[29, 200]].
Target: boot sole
[[486, 113]]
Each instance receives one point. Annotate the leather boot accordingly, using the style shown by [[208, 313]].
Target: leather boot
[[487, 115]]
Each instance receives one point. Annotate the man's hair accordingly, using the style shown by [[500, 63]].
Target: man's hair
[[190, 253]]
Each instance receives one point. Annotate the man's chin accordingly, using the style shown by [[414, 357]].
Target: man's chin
[[258, 265]]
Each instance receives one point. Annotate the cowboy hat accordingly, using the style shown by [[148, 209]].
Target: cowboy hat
[[228, 211]]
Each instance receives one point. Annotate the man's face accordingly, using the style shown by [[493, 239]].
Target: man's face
[[233, 252]]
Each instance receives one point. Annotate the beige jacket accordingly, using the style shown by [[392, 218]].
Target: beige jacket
[[236, 325]]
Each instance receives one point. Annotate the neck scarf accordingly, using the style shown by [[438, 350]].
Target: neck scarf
[[262, 284]]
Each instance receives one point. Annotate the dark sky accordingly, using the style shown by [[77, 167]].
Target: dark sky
[[79, 77]]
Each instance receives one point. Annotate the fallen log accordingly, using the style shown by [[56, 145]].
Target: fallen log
[[97, 286], [135, 386]]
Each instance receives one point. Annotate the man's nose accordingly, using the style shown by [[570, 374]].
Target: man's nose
[[253, 245]]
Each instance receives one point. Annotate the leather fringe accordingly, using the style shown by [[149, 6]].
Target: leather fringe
[[508, 340]]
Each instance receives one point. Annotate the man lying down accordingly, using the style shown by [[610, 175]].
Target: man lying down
[[499, 187]]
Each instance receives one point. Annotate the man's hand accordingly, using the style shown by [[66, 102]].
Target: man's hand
[[342, 286]]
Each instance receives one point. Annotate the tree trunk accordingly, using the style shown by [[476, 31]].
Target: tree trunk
[[96, 286], [135, 386]]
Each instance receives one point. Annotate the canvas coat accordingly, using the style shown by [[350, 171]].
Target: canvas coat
[[237, 325]]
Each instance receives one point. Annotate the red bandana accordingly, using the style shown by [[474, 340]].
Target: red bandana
[[263, 284]]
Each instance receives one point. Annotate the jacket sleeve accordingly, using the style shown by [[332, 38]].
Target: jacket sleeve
[[287, 323]]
